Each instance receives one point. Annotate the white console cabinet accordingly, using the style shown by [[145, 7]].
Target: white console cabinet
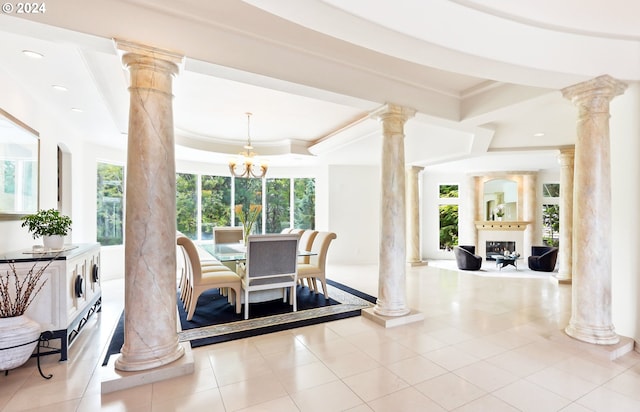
[[71, 293]]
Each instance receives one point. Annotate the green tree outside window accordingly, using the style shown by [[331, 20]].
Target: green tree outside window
[[216, 201], [448, 226], [304, 215], [448, 217], [449, 191], [187, 204], [551, 225], [551, 190], [109, 207], [248, 192], [278, 204]]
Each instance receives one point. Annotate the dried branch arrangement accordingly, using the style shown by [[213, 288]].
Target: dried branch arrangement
[[15, 304]]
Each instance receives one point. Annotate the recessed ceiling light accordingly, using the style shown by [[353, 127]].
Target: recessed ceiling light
[[75, 109], [32, 54], [59, 88], [540, 134]]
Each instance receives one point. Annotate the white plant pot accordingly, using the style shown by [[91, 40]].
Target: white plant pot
[[21, 334], [55, 242]]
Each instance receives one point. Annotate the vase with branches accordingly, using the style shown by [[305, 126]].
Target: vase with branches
[[247, 218], [18, 334]]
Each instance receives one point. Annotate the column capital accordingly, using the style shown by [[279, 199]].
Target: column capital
[[595, 92], [566, 156], [415, 169], [124, 47], [393, 117], [145, 62]]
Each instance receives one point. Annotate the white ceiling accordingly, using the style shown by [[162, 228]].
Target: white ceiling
[[484, 77]]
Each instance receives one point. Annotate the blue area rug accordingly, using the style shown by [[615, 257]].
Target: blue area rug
[[215, 320]]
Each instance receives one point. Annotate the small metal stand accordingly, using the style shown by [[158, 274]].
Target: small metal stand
[[44, 337]]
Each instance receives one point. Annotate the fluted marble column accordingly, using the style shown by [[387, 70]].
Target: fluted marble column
[[150, 336], [565, 254], [591, 300], [392, 277], [413, 212]]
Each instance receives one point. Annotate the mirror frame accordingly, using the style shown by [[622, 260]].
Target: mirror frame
[[17, 215]]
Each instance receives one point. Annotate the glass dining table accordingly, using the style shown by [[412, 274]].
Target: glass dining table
[[229, 254], [235, 252]]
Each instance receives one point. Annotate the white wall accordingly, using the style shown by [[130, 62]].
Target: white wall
[[625, 192], [354, 214], [16, 101]]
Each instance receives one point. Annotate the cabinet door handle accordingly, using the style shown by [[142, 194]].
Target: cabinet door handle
[[78, 287], [95, 273]]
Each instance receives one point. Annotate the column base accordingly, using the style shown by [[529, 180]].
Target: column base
[[391, 321], [114, 380], [379, 310], [598, 336], [563, 278], [149, 361], [418, 263]]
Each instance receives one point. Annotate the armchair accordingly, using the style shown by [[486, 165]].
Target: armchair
[[543, 258], [466, 257]]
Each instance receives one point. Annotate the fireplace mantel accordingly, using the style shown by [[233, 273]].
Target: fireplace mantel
[[501, 225]]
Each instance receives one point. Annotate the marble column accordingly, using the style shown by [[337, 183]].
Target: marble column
[[566, 215], [591, 282], [472, 200], [532, 234], [150, 336], [392, 277], [413, 212]]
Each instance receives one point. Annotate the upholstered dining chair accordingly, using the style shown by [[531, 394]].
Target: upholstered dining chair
[[316, 268], [306, 241], [271, 263], [183, 266], [227, 234], [202, 278]]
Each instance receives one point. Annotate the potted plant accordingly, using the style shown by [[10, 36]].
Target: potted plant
[[50, 225], [19, 334]]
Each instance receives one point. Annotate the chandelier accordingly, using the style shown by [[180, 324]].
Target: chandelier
[[244, 166]]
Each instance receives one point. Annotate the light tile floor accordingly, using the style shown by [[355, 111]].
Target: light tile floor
[[488, 343]]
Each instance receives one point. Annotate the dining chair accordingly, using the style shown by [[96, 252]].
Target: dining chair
[[201, 278], [227, 234], [183, 267], [316, 268], [306, 241], [271, 263]]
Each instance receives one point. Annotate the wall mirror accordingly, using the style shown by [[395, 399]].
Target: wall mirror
[[501, 200], [19, 156]]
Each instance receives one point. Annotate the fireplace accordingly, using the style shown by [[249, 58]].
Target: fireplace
[[495, 237], [494, 247]]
